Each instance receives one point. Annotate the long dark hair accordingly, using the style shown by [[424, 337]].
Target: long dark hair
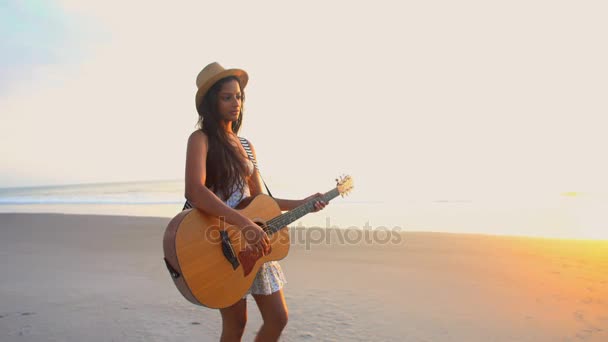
[[226, 168]]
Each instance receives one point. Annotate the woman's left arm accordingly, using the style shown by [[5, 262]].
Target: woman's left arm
[[286, 204], [256, 186]]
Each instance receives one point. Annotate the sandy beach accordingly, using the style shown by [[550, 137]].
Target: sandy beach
[[102, 278]]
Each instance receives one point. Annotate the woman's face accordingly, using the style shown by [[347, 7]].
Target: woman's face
[[230, 100]]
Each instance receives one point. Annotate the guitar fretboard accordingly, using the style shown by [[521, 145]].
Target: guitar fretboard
[[279, 222]]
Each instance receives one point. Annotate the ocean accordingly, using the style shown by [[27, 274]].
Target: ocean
[[569, 215], [149, 198]]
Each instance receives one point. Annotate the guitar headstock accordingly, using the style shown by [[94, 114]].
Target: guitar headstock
[[344, 184]]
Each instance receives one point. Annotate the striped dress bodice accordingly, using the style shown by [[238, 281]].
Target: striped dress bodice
[[237, 195]]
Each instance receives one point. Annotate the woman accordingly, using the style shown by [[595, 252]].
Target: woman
[[219, 175]]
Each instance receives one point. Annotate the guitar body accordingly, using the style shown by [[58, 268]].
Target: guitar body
[[196, 256]]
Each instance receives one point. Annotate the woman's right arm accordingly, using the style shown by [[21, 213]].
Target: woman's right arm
[[197, 193]]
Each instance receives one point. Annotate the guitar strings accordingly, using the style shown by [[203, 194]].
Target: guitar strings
[[281, 221]]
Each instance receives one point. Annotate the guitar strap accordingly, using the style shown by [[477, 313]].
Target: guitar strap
[[247, 148]]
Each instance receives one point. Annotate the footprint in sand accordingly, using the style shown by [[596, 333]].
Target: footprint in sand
[[586, 333], [579, 316], [23, 331], [307, 335]]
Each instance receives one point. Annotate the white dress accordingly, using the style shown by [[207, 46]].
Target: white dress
[[270, 277]]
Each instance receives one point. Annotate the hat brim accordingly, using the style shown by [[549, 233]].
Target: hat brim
[[238, 73]]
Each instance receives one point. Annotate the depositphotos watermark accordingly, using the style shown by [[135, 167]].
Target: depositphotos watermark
[[353, 235], [314, 235]]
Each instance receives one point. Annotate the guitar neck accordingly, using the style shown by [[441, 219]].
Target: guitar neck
[[283, 220]]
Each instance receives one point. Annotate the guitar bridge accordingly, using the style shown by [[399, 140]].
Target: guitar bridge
[[228, 250]]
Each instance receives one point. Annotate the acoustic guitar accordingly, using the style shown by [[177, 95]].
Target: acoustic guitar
[[208, 259]]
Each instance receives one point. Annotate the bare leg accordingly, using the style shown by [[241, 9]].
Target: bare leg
[[274, 312], [234, 319]]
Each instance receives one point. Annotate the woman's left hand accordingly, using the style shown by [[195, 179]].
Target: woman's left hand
[[319, 204]]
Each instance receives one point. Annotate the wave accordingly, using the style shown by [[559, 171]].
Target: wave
[[25, 201]]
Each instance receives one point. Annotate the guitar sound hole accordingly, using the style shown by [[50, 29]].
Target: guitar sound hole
[[263, 225]]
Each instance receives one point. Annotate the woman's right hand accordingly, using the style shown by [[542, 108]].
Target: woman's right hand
[[256, 238]]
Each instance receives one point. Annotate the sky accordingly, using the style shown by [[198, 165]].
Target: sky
[[436, 99]]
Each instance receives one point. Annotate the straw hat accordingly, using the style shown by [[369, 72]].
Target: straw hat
[[213, 73]]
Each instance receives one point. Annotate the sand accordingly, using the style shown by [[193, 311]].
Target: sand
[[102, 278]]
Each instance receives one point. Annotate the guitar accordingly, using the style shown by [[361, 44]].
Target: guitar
[[208, 259]]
